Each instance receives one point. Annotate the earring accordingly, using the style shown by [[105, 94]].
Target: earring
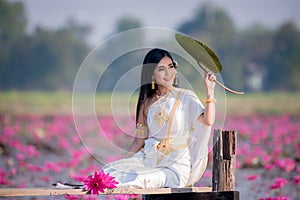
[[175, 81], [175, 64], [152, 85]]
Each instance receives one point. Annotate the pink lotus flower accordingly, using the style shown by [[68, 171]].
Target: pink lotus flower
[[269, 166], [35, 168], [20, 157], [13, 171], [251, 177], [238, 165], [46, 178], [98, 182], [126, 196], [290, 165], [281, 198], [296, 180], [28, 150], [286, 164], [52, 166], [73, 197], [279, 182], [3, 176], [275, 198], [77, 178]]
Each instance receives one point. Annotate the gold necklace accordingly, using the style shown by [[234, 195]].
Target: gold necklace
[[161, 116]]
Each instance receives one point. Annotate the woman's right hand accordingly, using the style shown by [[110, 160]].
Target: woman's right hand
[[209, 80]]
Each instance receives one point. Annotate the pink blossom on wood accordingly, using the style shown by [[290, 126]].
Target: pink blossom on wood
[[98, 182]]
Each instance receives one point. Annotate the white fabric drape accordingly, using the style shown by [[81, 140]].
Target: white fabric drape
[[181, 167]]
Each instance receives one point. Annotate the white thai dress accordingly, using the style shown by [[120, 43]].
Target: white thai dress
[[178, 163]]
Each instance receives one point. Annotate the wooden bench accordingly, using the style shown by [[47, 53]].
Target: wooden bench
[[223, 179]]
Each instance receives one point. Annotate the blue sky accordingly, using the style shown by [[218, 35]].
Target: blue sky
[[102, 15]]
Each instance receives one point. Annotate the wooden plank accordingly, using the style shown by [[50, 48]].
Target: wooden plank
[[6, 192]]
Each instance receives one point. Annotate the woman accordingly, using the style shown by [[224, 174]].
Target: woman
[[172, 130]]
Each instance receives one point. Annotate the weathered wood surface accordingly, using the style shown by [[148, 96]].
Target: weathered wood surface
[[225, 195], [6, 192], [224, 160]]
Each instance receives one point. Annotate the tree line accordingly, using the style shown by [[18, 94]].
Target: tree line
[[256, 58]]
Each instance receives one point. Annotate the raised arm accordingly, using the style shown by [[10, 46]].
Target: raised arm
[[208, 116]]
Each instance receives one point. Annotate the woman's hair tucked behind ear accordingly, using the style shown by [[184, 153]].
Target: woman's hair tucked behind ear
[[151, 60]]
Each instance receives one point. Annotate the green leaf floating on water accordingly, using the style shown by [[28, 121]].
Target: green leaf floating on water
[[200, 52]]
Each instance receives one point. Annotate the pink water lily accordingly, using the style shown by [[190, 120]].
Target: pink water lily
[[298, 168], [35, 168], [286, 164], [275, 198], [47, 149], [52, 166], [126, 196], [3, 176], [98, 182], [73, 197], [269, 166], [251, 177], [296, 180], [279, 182]]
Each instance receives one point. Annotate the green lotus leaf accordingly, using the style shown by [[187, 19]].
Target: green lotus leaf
[[200, 52]]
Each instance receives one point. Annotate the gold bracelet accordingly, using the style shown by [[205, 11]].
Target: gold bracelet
[[210, 100]]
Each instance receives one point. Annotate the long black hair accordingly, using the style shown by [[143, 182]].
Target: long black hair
[[151, 60]]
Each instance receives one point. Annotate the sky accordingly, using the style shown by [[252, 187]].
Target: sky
[[102, 15]]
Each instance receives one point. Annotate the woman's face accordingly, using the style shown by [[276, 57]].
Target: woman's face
[[164, 73]]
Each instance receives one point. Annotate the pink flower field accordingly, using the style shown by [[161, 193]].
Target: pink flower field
[[36, 151]]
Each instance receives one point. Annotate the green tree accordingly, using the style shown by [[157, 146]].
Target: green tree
[[212, 26], [12, 30], [252, 48], [283, 65], [47, 59], [12, 21]]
